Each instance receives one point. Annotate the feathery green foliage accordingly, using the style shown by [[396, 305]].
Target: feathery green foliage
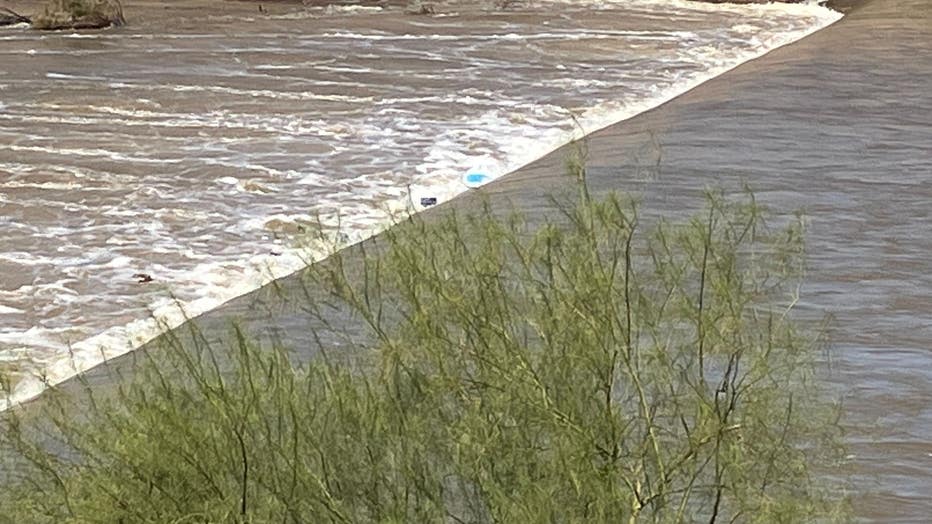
[[590, 370]]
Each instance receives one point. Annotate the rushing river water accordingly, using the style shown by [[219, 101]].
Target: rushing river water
[[195, 153]]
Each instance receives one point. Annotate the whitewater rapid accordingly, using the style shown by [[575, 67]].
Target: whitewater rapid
[[205, 156]]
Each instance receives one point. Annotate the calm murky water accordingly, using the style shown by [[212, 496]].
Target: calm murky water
[[194, 153]]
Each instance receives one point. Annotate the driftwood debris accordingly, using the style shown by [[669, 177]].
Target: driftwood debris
[[10, 17]]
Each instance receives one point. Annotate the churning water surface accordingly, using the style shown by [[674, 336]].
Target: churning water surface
[[198, 154]]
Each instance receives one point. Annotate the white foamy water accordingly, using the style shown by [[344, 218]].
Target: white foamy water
[[199, 156]]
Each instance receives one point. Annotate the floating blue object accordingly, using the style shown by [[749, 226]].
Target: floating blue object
[[476, 179]]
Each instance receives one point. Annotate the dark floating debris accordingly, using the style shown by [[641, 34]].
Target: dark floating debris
[[143, 278]]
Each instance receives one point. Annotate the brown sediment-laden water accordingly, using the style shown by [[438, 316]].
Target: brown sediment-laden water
[[184, 156], [838, 126], [191, 148]]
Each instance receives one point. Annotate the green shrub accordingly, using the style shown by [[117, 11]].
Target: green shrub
[[79, 14], [590, 370]]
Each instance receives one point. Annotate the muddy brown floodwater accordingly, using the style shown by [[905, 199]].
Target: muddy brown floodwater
[[191, 154], [839, 125]]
